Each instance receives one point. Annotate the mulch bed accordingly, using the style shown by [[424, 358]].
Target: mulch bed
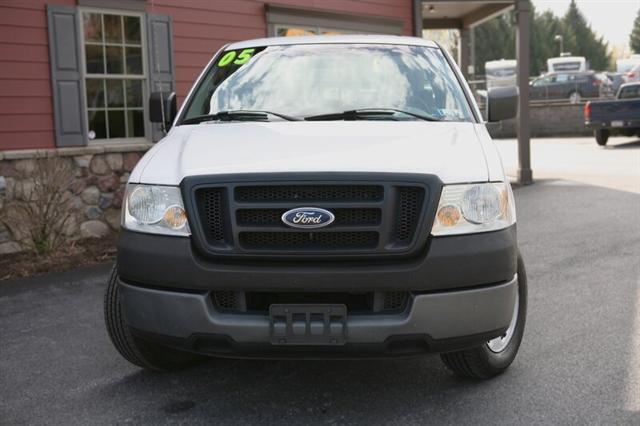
[[79, 253]]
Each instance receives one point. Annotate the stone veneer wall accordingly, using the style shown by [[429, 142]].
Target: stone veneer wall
[[548, 119], [101, 174]]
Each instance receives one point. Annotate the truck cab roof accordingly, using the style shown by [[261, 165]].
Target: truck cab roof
[[334, 39]]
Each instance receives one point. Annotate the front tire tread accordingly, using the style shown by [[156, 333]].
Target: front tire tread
[[136, 351]]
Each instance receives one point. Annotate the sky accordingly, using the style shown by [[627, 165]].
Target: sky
[[612, 19]]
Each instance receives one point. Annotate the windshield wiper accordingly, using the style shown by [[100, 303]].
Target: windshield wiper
[[237, 115], [363, 114]]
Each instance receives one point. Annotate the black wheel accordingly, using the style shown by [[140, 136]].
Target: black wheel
[[133, 349], [602, 136], [495, 356]]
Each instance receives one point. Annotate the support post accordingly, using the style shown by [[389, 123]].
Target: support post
[[525, 175], [464, 51], [472, 53], [417, 18]]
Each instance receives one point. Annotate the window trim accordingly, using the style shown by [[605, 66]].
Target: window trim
[[315, 29], [278, 16], [144, 76]]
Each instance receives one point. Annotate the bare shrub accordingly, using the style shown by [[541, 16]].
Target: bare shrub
[[42, 206]]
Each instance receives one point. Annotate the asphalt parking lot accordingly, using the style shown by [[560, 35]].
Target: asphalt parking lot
[[579, 361]]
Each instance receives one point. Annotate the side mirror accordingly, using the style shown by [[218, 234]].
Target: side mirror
[[502, 103], [163, 108]]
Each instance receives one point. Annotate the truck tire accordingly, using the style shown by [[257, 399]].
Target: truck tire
[[602, 136], [135, 350], [494, 357]]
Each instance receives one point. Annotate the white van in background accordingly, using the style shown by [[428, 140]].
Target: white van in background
[[501, 73], [567, 63]]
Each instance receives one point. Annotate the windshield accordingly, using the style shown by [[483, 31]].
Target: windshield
[[307, 80]]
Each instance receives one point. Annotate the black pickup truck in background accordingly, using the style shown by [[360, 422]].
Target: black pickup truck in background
[[617, 117]]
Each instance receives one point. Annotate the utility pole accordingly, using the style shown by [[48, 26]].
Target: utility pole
[[560, 40]]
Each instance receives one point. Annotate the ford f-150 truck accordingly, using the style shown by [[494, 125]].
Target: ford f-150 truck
[[321, 197], [617, 117]]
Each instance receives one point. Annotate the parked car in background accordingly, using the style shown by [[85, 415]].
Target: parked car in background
[[633, 75], [617, 80], [624, 65], [572, 86], [617, 117], [606, 85]]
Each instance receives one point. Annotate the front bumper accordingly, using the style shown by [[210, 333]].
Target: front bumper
[[446, 263], [462, 291], [432, 322]]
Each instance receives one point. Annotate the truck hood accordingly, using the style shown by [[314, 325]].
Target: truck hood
[[452, 151]]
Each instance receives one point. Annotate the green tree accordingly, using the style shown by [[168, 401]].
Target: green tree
[[580, 39], [544, 29], [634, 38], [495, 39]]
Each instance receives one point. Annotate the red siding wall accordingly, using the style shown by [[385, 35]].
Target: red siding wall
[[26, 112], [200, 28]]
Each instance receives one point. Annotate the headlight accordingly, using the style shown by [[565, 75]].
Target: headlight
[[154, 209], [467, 209]]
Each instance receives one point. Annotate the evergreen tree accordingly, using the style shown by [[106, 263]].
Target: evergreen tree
[[495, 39], [544, 29], [580, 40], [634, 38]]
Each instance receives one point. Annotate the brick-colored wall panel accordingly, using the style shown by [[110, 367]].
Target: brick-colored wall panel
[[26, 113], [25, 105], [27, 140]]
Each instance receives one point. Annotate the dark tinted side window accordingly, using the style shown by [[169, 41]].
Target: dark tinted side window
[[630, 92]]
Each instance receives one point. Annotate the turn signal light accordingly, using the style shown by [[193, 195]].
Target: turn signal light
[[175, 217], [448, 215]]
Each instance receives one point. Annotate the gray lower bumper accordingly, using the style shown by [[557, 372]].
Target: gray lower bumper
[[440, 316]]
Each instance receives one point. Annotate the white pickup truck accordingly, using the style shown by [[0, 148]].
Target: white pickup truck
[[321, 197]]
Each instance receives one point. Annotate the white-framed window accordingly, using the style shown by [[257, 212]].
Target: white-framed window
[[113, 46], [292, 20]]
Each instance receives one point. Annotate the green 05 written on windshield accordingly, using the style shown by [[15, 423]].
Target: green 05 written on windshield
[[329, 82]]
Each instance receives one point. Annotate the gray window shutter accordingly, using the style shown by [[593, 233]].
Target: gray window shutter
[[160, 44], [66, 76]]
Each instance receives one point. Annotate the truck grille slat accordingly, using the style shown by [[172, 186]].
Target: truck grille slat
[[410, 199], [212, 211], [309, 193], [272, 217], [309, 240]]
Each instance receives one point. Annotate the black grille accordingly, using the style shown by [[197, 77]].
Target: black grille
[[309, 240], [409, 202], [272, 217], [260, 301], [211, 205], [394, 300], [227, 299], [308, 193], [377, 216]]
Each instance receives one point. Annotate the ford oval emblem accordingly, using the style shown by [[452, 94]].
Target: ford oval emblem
[[308, 218]]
